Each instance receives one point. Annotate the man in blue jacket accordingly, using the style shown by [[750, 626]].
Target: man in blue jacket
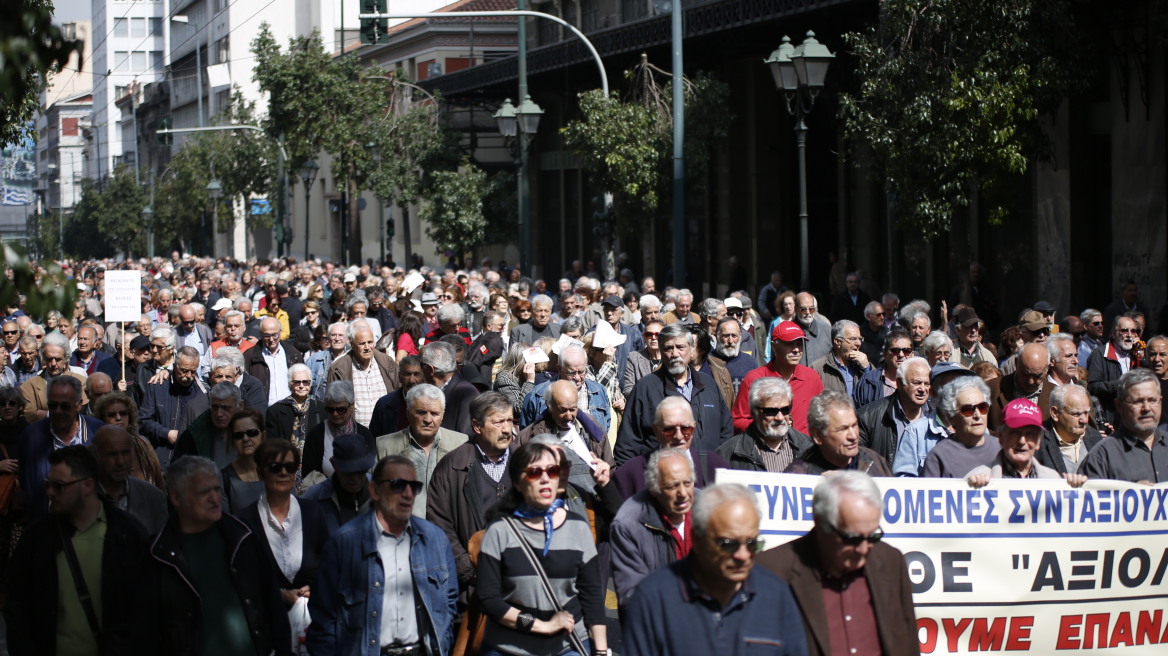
[[386, 583]]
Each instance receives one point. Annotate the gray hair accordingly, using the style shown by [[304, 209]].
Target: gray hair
[[571, 325], [824, 403], [825, 502], [653, 473], [673, 331], [355, 299], [340, 391], [837, 328], [890, 297], [668, 403], [236, 313], [870, 308], [355, 325], [65, 380], [440, 356], [163, 332], [913, 315], [426, 392], [228, 356], [1135, 377], [650, 301], [686, 293], [298, 368], [57, 339], [902, 370], [188, 352], [451, 313], [225, 390], [542, 299], [934, 341], [1058, 395], [182, 470], [1052, 345], [715, 496], [573, 353], [765, 388], [710, 307], [947, 397], [1090, 313]]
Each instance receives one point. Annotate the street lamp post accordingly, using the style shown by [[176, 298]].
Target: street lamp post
[[799, 73], [518, 126], [148, 219], [308, 173], [214, 192]]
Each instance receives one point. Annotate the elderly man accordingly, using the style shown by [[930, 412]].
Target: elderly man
[[399, 565], [614, 312], [64, 426], [48, 610], [11, 335], [967, 348], [389, 414], [320, 362], [540, 326], [675, 377], [843, 367], [1138, 451], [373, 373], [816, 329], [581, 435], [234, 325], [1095, 329], [873, 331], [681, 312], [113, 448], [835, 432], [655, 526], [1028, 381], [1035, 330], [192, 332], [728, 347], [1069, 435], [714, 601], [879, 383], [1111, 361], [25, 364], [440, 369], [650, 309], [770, 443], [883, 422], [215, 581], [206, 436], [1020, 438], [590, 394], [850, 303], [1156, 360], [472, 478], [673, 427], [345, 494], [424, 441], [54, 360], [918, 325], [1064, 360], [853, 591], [96, 386], [788, 342], [270, 362]]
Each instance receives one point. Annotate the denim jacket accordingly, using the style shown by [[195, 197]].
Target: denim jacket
[[318, 363], [345, 605], [599, 407]]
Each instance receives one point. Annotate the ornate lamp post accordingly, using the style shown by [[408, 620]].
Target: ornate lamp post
[[308, 173], [518, 126], [214, 193]]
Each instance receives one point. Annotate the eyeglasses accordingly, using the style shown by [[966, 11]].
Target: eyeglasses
[[651, 334], [59, 486], [296, 383], [251, 432], [336, 409], [270, 335], [854, 539], [900, 351], [10, 404], [731, 547], [399, 485], [536, 473], [876, 314], [771, 412], [449, 297], [117, 413], [967, 410], [1128, 331], [54, 406], [11, 332], [286, 467], [687, 431]]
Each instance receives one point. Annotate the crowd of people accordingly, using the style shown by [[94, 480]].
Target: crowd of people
[[300, 458]]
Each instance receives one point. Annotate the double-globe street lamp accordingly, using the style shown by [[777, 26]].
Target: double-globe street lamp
[[308, 173], [800, 73], [214, 193], [518, 126]]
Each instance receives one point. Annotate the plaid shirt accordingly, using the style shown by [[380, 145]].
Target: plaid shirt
[[607, 379], [368, 387]]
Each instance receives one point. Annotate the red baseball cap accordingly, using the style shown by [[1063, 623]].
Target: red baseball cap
[[1022, 412], [787, 331]]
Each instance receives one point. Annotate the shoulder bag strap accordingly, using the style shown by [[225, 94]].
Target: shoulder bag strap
[[543, 579], [79, 582]]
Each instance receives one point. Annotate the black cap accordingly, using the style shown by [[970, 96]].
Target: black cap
[[351, 455], [613, 300], [140, 343]]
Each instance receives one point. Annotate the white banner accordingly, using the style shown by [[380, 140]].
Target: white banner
[[123, 296], [1031, 566]]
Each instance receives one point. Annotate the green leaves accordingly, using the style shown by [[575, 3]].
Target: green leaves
[[455, 209], [45, 287], [30, 48]]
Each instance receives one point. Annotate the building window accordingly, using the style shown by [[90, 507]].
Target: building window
[[156, 26], [137, 27], [121, 27], [69, 127], [571, 13], [121, 61], [138, 62], [549, 32], [632, 10], [590, 15]]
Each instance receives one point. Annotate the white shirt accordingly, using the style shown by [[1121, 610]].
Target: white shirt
[[285, 539], [326, 465], [574, 441], [399, 621], [277, 373]]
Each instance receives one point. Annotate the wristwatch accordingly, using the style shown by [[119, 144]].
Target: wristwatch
[[601, 652], [526, 621]]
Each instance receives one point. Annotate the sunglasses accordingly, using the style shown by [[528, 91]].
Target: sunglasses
[[117, 413], [967, 410], [251, 432], [651, 334], [11, 332], [286, 467], [771, 412], [900, 351], [59, 486], [399, 485], [55, 406], [301, 382], [1041, 331], [336, 409], [10, 404], [674, 430], [855, 539], [731, 547], [536, 473], [1126, 331]]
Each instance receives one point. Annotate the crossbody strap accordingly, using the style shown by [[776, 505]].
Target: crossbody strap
[[79, 582], [543, 578]]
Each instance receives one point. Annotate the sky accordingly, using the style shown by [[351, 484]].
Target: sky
[[71, 10]]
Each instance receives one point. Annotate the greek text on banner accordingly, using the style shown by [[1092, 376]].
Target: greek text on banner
[[1018, 566]]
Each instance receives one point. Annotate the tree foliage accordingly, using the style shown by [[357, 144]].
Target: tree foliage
[[108, 218], [30, 48], [45, 286], [455, 211], [950, 94]]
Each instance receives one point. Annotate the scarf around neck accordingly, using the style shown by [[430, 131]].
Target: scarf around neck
[[525, 511]]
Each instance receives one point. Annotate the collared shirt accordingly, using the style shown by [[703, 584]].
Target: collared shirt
[[846, 372], [368, 387], [122, 502], [686, 388], [76, 439], [889, 386], [73, 633], [496, 470], [286, 538], [278, 375], [916, 443], [1010, 471], [424, 463], [777, 459], [1125, 457], [399, 621], [1072, 451], [681, 534], [723, 616], [900, 418], [573, 439], [193, 340], [851, 620]]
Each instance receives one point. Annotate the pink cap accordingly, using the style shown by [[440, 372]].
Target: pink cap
[[1022, 412], [787, 331]]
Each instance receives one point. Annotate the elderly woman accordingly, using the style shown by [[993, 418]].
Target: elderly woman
[[119, 409], [292, 417], [937, 347], [318, 442], [964, 404], [531, 522], [516, 378], [240, 478], [294, 533], [644, 362]]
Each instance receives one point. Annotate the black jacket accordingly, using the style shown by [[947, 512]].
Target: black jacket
[[741, 452], [714, 425], [313, 458], [254, 363], [813, 462], [278, 419], [314, 536], [128, 620], [459, 393], [1049, 454], [878, 426], [389, 414], [256, 582]]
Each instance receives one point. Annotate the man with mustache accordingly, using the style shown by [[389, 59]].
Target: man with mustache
[[1111, 361], [836, 433], [770, 443], [1138, 451]]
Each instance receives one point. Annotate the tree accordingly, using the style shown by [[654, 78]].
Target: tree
[[455, 211], [107, 219], [44, 286], [950, 95], [30, 48]]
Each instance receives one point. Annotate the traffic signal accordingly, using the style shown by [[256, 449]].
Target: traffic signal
[[279, 232], [390, 227], [374, 30]]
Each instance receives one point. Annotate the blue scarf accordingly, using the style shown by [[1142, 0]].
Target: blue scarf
[[527, 512]]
